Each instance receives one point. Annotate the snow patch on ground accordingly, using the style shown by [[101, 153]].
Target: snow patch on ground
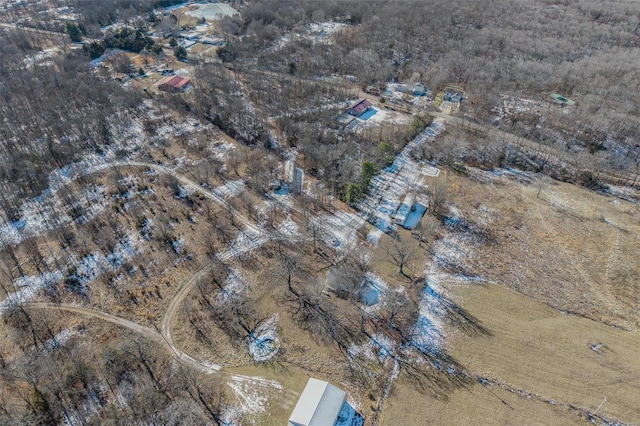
[[233, 286], [339, 229], [289, 227], [221, 149], [230, 189], [264, 343], [374, 292], [31, 60], [378, 347], [90, 267], [449, 256], [252, 392], [213, 11], [41, 214], [324, 29], [28, 287], [374, 235], [428, 333], [59, 340], [320, 32], [185, 191], [283, 200], [508, 106], [246, 240]]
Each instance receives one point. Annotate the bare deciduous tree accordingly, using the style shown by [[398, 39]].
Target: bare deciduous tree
[[400, 253]]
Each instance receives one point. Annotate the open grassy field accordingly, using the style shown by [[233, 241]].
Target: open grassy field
[[537, 355], [558, 243], [547, 250]]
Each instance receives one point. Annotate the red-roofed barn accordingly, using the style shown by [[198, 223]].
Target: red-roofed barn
[[173, 83]]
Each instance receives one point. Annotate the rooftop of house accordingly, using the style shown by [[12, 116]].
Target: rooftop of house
[[174, 81], [360, 106]]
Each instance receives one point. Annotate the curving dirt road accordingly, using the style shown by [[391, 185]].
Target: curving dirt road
[[147, 332], [133, 326], [255, 236], [165, 334]]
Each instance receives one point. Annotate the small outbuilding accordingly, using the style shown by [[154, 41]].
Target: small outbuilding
[[319, 405], [561, 100], [451, 96], [213, 41], [173, 83], [405, 208]]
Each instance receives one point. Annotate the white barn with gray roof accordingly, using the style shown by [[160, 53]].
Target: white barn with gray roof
[[319, 405]]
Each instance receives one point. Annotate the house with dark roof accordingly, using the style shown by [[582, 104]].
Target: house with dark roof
[[173, 83], [359, 107]]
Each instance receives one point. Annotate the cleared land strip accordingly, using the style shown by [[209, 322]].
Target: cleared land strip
[[63, 36]]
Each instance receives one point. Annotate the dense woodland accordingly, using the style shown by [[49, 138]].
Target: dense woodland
[[584, 49], [54, 114]]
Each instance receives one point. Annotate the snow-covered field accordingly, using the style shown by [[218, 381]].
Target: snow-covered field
[[212, 11], [317, 32]]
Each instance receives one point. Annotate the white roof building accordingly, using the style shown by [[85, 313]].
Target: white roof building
[[319, 405]]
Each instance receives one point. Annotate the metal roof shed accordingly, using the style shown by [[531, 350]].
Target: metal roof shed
[[319, 405]]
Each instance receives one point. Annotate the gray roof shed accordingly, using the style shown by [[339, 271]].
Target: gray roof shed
[[319, 405]]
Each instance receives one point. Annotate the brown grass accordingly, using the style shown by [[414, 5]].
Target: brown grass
[[568, 249], [533, 349]]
